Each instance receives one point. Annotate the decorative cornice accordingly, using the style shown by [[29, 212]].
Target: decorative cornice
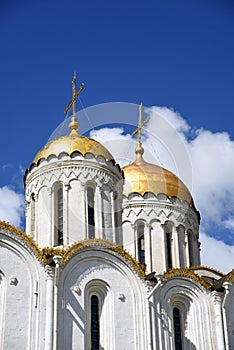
[[4, 226], [202, 267], [165, 199], [159, 208], [63, 173], [172, 273], [74, 165], [68, 253], [50, 252]]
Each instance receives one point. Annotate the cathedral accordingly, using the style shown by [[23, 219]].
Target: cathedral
[[110, 257]]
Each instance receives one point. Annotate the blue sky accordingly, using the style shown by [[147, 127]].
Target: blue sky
[[177, 54]]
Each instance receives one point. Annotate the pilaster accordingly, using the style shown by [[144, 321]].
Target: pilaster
[[49, 277]]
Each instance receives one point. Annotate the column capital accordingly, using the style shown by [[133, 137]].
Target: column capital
[[148, 225], [35, 197], [50, 190], [216, 297], [49, 270], [67, 187]]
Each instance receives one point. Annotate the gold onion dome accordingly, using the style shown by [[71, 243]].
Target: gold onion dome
[[73, 143], [142, 177]]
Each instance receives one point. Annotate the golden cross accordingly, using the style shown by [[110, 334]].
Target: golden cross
[[140, 125], [74, 96]]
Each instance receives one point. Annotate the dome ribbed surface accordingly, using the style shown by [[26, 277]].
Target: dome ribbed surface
[[142, 177], [70, 144]]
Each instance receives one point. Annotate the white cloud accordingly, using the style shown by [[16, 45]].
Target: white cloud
[[229, 223], [11, 206], [216, 254], [213, 163], [202, 159], [166, 137], [121, 146]]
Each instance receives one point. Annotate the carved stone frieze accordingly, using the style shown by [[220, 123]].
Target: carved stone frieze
[[66, 174], [162, 213], [72, 169], [156, 202]]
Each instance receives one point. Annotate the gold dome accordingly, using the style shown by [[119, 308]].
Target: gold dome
[[142, 177], [71, 143]]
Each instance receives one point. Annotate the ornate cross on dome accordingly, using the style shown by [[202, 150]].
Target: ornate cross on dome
[[74, 125], [74, 96], [139, 128]]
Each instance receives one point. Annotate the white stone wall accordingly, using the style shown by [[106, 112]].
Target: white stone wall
[[48, 308], [21, 296]]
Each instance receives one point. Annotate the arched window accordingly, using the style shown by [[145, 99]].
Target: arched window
[[190, 248], [58, 217], [181, 242], [90, 212], [168, 241], [98, 306], [116, 209], [94, 323], [177, 328], [168, 245], [32, 215], [141, 242]]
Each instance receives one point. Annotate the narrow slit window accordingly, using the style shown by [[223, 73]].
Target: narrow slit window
[[60, 216], [33, 215], [141, 243], [90, 210], [94, 323], [168, 244], [177, 329], [190, 247], [168, 247]]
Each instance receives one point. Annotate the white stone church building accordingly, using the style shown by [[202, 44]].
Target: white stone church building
[[110, 259]]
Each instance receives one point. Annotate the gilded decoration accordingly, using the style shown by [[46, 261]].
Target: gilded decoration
[[27, 239], [188, 274], [201, 267], [50, 252], [230, 277], [68, 253]]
